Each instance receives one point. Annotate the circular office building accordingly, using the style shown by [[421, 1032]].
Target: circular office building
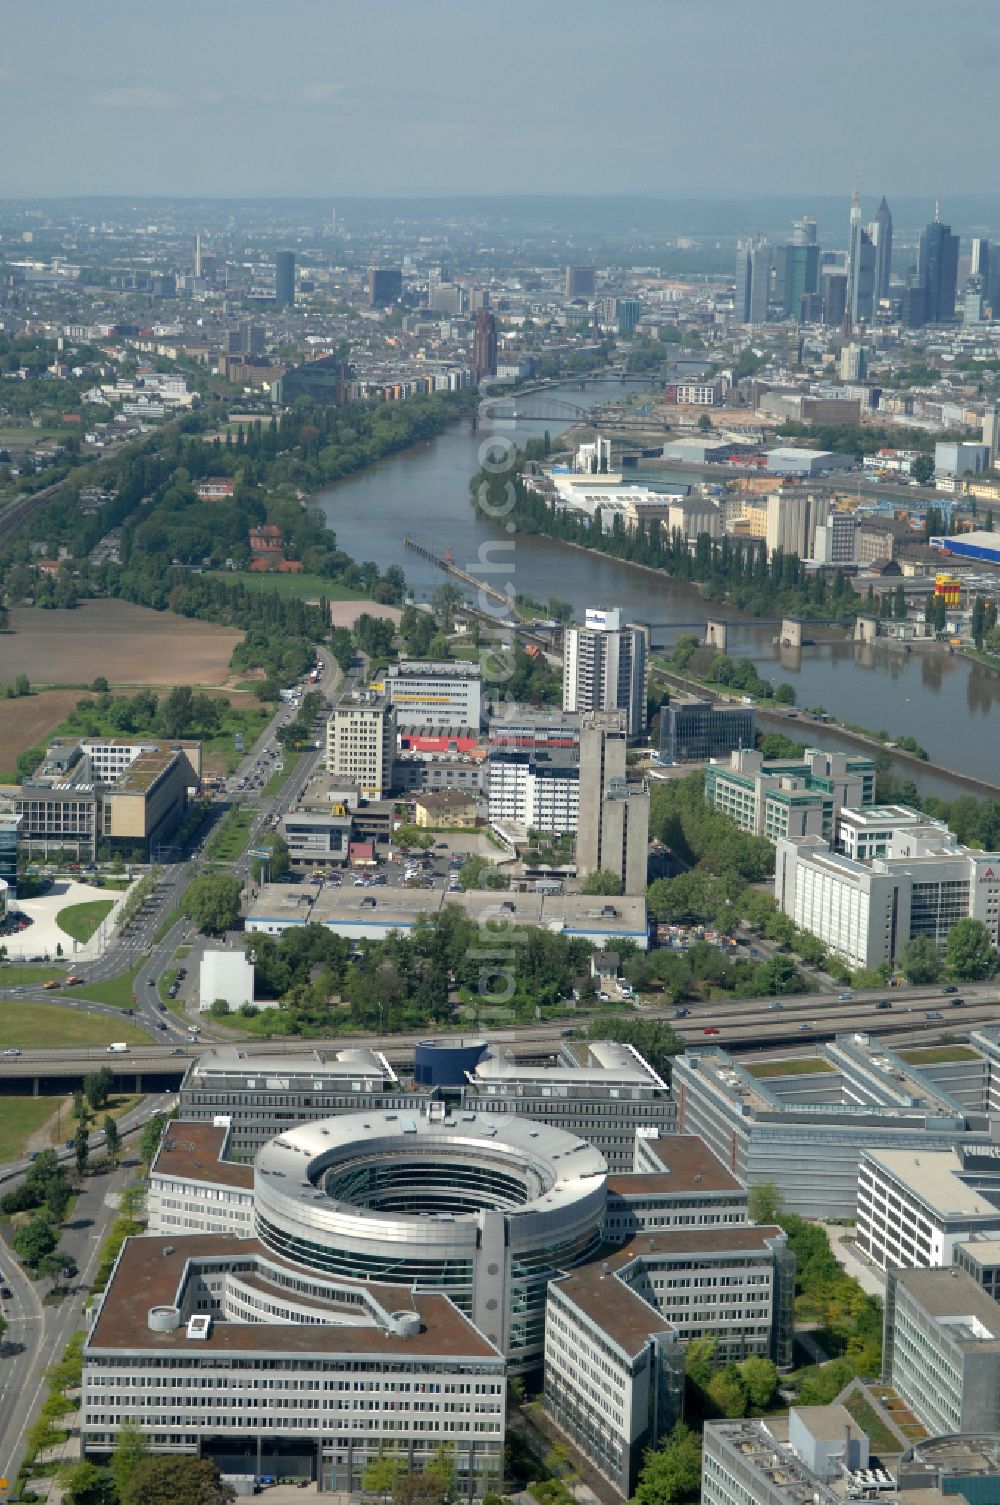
[[483, 1206]]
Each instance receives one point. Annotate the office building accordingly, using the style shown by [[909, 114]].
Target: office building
[[217, 1348], [317, 839], [979, 265], [579, 282], [804, 231], [385, 286], [361, 742], [613, 827], [836, 540], [426, 693], [782, 797], [605, 668], [284, 279], [807, 1132], [534, 790], [106, 794], [973, 301], [692, 730], [603, 1091], [941, 1350], [833, 294], [483, 1209], [196, 257], [675, 1182], [801, 275], [614, 1375], [880, 232], [866, 911], [615, 1330], [598, 1090], [916, 1209], [753, 281], [10, 825], [991, 435], [853, 363], [860, 267], [937, 271], [484, 345], [787, 1459]]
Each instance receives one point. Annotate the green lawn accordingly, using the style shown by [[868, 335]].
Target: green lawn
[[167, 923], [289, 758], [20, 1117], [309, 587], [81, 920], [40, 1025], [882, 1440], [230, 840], [939, 1055], [13, 974], [787, 1068], [117, 991]]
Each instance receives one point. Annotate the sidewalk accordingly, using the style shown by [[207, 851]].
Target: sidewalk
[[43, 936]]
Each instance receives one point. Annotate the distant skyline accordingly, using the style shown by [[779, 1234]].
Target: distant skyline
[[707, 98]]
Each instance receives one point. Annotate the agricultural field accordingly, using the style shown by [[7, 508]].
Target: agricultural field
[[126, 644]]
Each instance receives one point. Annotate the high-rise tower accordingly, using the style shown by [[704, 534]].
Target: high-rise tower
[[284, 279], [881, 234]]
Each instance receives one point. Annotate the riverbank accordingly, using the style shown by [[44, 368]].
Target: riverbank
[[805, 728]]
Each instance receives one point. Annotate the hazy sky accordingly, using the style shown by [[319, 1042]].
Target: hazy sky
[[320, 97]]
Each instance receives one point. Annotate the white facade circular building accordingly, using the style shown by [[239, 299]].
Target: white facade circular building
[[483, 1207]]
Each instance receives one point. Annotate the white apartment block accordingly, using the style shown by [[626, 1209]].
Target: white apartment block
[[435, 694], [214, 1347], [941, 1350], [361, 743]]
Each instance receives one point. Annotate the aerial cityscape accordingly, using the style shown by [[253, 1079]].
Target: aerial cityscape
[[499, 822]]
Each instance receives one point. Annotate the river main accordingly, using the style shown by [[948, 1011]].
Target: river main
[[943, 700]]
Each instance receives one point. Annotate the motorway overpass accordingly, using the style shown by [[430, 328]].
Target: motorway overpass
[[740, 1025]]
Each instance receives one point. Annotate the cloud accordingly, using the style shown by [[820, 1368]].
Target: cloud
[[136, 97], [321, 92]]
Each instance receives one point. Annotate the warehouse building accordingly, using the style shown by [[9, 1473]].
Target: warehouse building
[[981, 546]]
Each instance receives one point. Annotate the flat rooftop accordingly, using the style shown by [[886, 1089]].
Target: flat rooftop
[[193, 1151], [936, 1178], [688, 1165], [957, 1303], [274, 1073], [626, 1318], [152, 1272]]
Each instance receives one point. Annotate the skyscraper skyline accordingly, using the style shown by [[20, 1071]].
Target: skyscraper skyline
[[284, 279], [484, 345]]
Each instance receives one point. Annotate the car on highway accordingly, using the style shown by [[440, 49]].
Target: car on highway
[[883, 1003], [48, 986], [151, 982], [711, 1029], [845, 997], [933, 1014], [951, 988], [806, 1025], [681, 1013], [777, 1004], [958, 1003], [12, 1050]]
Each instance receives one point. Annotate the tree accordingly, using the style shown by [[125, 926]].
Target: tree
[[382, 1474], [129, 1451], [899, 604], [176, 711], [57, 1196], [760, 1376], [159, 1480], [785, 695], [602, 882], [726, 1392], [922, 469], [418, 1489], [971, 954], [56, 1266], [409, 835], [97, 1087], [480, 872], [652, 1038], [763, 1203], [921, 960], [81, 1148], [213, 902], [84, 1483], [149, 1139], [112, 1139], [671, 1473], [33, 1240]]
